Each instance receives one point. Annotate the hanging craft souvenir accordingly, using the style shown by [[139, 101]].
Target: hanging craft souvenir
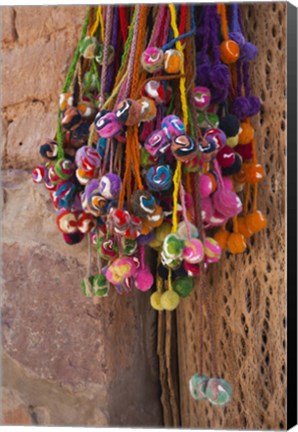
[[155, 149]]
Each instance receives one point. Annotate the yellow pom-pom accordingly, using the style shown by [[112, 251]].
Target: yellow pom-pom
[[160, 234], [236, 243], [229, 51], [233, 141], [247, 133], [155, 301], [169, 300]]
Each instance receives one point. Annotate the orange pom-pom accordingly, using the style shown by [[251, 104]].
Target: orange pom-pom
[[213, 180], [256, 221], [236, 243], [254, 173], [240, 177], [243, 228], [247, 133], [221, 236], [229, 51]]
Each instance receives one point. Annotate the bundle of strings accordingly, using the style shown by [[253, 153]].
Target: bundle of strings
[[154, 149]]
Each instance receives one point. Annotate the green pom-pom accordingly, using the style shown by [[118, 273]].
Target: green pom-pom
[[89, 47], [197, 386], [147, 160], [173, 246], [218, 391], [129, 246], [95, 286], [207, 120], [183, 286]]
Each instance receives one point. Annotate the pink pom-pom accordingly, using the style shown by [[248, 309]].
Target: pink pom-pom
[[143, 279], [205, 186]]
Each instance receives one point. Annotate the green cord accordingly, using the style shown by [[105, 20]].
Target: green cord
[[68, 81]]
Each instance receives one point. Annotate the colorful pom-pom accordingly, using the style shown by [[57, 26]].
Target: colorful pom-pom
[[184, 148], [159, 178], [109, 186], [197, 386], [107, 124], [218, 391], [152, 59], [128, 112], [172, 61]]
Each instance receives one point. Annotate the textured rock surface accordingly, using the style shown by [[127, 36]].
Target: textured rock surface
[[65, 361]]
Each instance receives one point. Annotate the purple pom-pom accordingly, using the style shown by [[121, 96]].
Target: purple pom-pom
[[110, 185], [219, 76], [241, 107], [238, 38], [254, 105], [145, 239], [203, 75], [218, 95], [248, 52]]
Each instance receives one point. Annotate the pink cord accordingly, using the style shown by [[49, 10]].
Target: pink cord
[[157, 26], [132, 54], [108, 32]]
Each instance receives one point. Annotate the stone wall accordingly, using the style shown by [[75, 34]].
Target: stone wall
[[65, 360]]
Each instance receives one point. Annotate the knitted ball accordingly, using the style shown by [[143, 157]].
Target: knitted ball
[[147, 160], [172, 61], [173, 246], [154, 90], [159, 178], [157, 143], [243, 228], [217, 219], [212, 249], [226, 157], [184, 148], [179, 272], [208, 150], [182, 230], [233, 169], [71, 119], [72, 239], [87, 158], [172, 126], [87, 110], [256, 221], [229, 51], [100, 54], [221, 236], [88, 47], [120, 269], [79, 136], [143, 203], [203, 73], [254, 173], [226, 202], [65, 193], [193, 251], [241, 107], [247, 133], [169, 300], [148, 109], [152, 59], [207, 119], [192, 165], [67, 222], [212, 175], [202, 97], [95, 286], [207, 209], [119, 220], [248, 52], [155, 301], [192, 270], [218, 391], [128, 112], [230, 125], [107, 124], [96, 204], [255, 105], [49, 185], [169, 262], [197, 386], [49, 149], [40, 174], [65, 101], [143, 279], [64, 169], [238, 38], [107, 248], [245, 151], [110, 185], [216, 136], [86, 223], [155, 219], [85, 176], [236, 243], [128, 246], [183, 286], [134, 229]]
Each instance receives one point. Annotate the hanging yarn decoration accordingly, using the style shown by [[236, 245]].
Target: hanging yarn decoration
[[155, 149]]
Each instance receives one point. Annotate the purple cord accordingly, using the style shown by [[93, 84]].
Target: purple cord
[[206, 33], [246, 78], [111, 68], [235, 27], [214, 24], [239, 78]]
